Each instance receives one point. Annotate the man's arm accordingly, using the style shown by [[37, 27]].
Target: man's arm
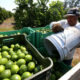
[[57, 28]]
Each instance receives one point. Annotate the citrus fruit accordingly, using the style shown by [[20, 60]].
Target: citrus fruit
[[0, 56], [16, 46], [23, 68], [12, 45], [14, 69], [21, 62], [6, 79], [28, 57], [14, 57], [25, 52], [9, 64], [26, 75], [37, 69], [6, 73], [2, 68], [23, 48], [22, 55], [15, 77], [12, 53], [19, 52], [31, 66], [5, 48], [4, 53], [3, 61]]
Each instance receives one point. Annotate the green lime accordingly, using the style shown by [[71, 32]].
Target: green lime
[[12, 53], [37, 69], [6, 73], [5, 48], [19, 52], [22, 69], [0, 56], [31, 66], [26, 75], [12, 45], [21, 62], [14, 69], [6, 79], [2, 68], [28, 57], [16, 46], [14, 57], [0, 53], [4, 53], [9, 64], [25, 52], [15, 77], [22, 55], [23, 48], [3, 61]]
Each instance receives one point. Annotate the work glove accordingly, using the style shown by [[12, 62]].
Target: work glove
[[57, 28]]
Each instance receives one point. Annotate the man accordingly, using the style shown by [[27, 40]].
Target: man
[[70, 21]]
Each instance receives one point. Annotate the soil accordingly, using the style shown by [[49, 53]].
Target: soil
[[76, 58], [7, 25]]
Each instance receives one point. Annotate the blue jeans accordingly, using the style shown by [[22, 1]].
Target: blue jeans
[[67, 62]]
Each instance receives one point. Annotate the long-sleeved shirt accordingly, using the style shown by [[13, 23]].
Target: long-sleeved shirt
[[64, 25]]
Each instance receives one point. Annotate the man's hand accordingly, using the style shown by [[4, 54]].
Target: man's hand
[[57, 28]]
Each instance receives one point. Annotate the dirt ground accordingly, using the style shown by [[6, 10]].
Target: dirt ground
[[76, 57], [7, 25]]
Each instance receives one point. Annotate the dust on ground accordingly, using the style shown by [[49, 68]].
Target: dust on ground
[[76, 58], [7, 25]]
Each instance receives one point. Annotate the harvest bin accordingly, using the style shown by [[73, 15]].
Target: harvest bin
[[27, 31], [73, 74], [47, 63], [40, 34]]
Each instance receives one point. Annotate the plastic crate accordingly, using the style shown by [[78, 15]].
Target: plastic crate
[[59, 69], [73, 74], [47, 63], [60, 66], [43, 51], [27, 31], [39, 36]]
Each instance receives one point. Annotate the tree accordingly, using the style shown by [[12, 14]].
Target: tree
[[37, 14]]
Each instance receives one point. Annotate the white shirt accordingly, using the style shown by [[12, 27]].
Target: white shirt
[[65, 24]]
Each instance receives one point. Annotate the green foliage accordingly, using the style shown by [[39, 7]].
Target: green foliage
[[4, 14], [30, 13]]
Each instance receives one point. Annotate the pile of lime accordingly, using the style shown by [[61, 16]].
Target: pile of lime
[[17, 63], [2, 35], [44, 31]]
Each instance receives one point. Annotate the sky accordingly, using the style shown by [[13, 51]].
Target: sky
[[10, 4]]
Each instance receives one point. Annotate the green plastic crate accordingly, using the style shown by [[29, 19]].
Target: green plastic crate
[[27, 31], [39, 36], [58, 70], [47, 63], [62, 67]]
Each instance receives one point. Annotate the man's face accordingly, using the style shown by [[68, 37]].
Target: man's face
[[72, 20]]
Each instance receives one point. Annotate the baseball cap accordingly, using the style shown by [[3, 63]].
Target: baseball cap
[[73, 12]]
